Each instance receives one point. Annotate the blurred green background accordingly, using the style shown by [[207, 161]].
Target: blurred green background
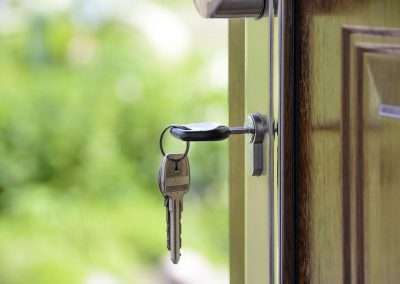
[[85, 89]]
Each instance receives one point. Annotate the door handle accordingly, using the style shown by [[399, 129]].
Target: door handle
[[232, 8]]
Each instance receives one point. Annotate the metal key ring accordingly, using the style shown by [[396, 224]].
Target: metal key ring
[[162, 146]]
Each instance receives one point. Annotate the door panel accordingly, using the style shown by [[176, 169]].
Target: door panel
[[379, 174], [371, 86], [339, 63], [346, 106]]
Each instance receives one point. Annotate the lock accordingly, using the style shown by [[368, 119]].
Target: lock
[[259, 123], [233, 8], [257, 127]]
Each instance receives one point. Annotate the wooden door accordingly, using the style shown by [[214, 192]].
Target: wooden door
[[347, 141], [331, 213]]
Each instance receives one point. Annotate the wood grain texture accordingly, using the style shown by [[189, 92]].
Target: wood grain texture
[[302, 145], [347, 170], [364, 169], [327, 151], [286, 139]]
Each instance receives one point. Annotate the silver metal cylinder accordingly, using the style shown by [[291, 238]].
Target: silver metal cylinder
[[231, 8]]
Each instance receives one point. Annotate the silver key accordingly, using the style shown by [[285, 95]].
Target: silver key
[[174, 180]]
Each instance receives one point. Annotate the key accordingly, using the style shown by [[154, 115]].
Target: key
[[174, 180], [206, 131]]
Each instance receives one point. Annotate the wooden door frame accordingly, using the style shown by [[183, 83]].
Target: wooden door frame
[[287, 136]]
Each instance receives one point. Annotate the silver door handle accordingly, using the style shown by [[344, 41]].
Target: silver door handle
[[232, 8]]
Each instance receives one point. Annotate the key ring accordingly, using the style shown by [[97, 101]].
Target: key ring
[[162, 146]]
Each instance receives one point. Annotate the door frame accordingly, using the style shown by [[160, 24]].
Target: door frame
[[286, 152]]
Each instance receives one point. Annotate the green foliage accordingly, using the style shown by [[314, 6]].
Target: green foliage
[[80, 116], [61, 119]]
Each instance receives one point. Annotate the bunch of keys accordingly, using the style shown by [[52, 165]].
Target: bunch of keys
[[173, 181], [174, 174]]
